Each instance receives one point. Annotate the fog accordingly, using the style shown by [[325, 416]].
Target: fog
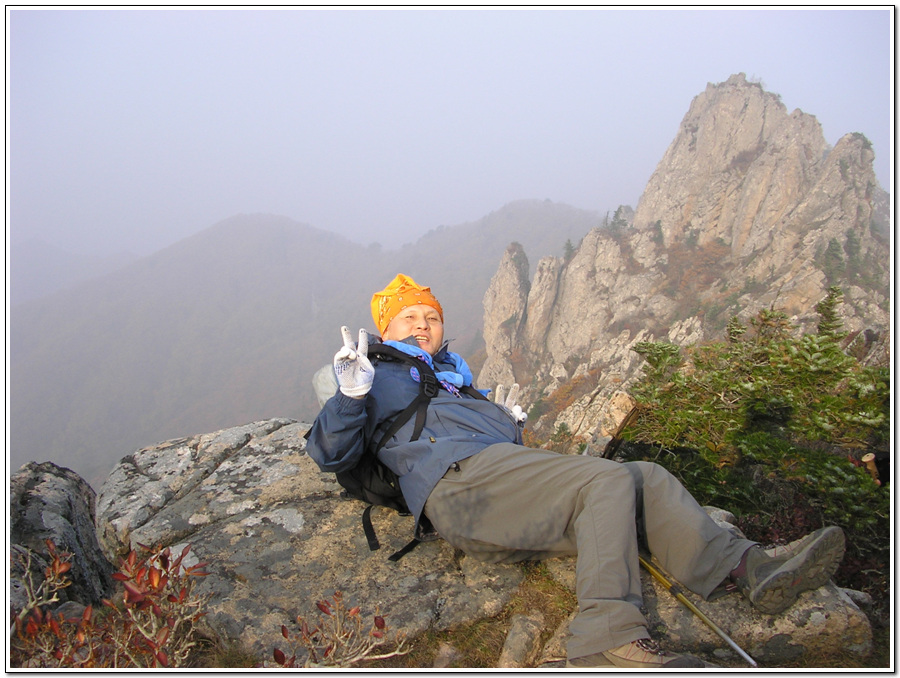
[[132, 129]]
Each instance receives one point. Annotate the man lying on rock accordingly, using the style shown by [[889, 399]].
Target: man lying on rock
[[498, 501]]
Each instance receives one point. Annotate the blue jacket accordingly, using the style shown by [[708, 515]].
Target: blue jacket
[[456, 427]]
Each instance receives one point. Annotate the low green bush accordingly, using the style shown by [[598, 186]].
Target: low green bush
[[771, 426]]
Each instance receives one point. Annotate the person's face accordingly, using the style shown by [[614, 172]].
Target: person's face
[[419, 321]]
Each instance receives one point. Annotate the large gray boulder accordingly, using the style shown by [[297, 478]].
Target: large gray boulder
[[48, 502], [278, 538]]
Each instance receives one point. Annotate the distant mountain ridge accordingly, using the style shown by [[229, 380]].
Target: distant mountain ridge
[[229, 325], [38, 268]]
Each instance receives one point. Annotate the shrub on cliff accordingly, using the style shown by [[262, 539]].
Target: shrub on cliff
[[710, 396], [772, 426]]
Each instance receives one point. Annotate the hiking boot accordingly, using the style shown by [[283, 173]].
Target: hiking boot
[[638, 654], [773, 583], [792, 548]]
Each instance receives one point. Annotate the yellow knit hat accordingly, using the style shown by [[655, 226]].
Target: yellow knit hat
[[401, 292]]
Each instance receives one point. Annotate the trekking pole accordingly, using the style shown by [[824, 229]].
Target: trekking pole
[[675, 591]]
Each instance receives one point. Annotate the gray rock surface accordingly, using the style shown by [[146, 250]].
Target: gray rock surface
[[278, 538], [523, 641], [55, 503]]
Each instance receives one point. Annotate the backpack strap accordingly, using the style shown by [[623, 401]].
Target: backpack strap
[[428, 389], [474, 392], [406, 549], [369, 529], [372, 539]]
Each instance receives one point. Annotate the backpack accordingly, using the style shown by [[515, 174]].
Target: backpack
[[370, 480]]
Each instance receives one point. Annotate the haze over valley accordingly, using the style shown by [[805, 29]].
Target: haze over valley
[[191, 219]]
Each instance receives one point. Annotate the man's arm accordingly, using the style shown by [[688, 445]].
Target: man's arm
[[337, 439]]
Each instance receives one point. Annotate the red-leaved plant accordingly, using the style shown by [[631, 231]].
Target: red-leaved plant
[[150, 626], [340, 639]]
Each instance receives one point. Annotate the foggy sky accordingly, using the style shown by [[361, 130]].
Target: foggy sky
[[132, 129]]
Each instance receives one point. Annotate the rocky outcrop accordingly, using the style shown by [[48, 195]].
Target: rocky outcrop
[[759, 192], [508, 310], [48, 502], [277, 537], [748, 209]]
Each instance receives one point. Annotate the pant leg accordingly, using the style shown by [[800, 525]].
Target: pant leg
[[682, 536], [510, 503]]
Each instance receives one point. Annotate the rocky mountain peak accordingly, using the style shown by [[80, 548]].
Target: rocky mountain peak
[[747, 209], [725, 172]]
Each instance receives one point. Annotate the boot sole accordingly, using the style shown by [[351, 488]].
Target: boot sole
[[809, 569]]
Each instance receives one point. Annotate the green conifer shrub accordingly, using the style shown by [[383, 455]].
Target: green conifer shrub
[[771, 426]]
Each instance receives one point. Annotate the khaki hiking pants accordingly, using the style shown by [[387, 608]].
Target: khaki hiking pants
[[510, 503]]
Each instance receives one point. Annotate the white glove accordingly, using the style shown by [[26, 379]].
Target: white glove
[[352, 368], [509, 402]]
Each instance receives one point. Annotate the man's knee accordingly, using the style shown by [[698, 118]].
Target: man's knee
[[616, 481]]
